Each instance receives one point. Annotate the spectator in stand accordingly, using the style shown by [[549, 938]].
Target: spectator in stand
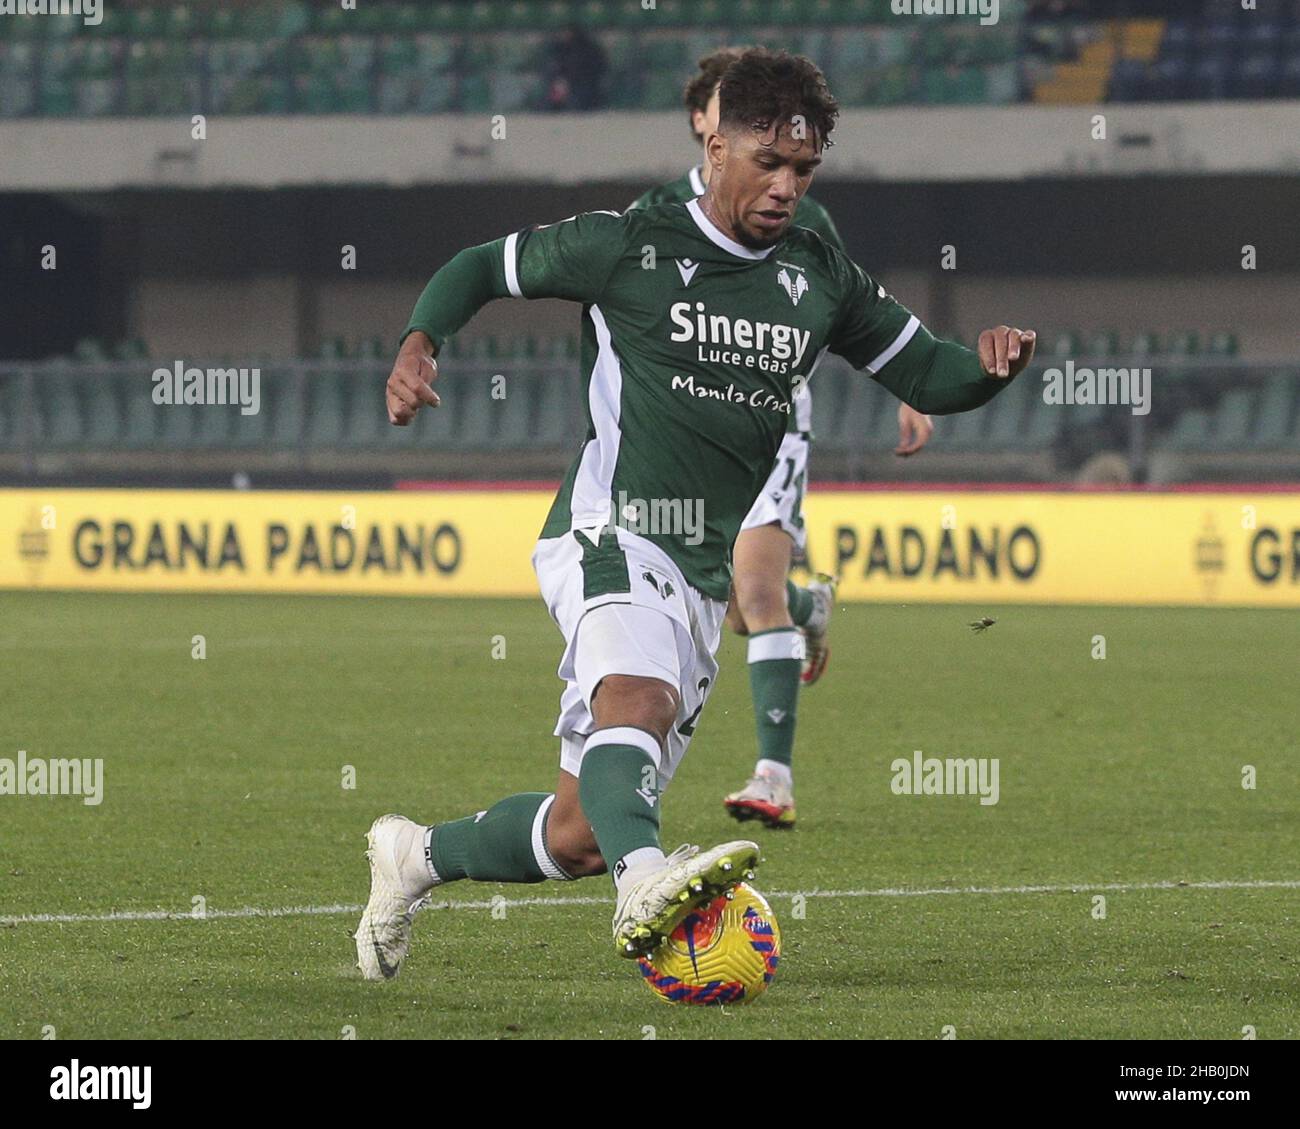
[[575, 72]]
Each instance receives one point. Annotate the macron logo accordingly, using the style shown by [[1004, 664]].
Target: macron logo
[[686, 269]]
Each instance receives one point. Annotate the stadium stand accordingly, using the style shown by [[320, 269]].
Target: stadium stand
[[481, 55], [513, 405]]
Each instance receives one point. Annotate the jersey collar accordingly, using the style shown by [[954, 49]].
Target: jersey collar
[[696, 180], [716, 237]]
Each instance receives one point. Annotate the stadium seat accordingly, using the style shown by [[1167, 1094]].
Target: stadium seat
[[1232, 418], [1009, 412], [1276, 404], [1191, 431], [1222, 344], [830, 391], [104, 422], [561, 418]]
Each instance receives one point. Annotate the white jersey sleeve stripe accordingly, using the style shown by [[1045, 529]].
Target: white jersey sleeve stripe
[[909, 331], [512, 265]]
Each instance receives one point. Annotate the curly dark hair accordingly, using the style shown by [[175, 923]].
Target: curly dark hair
[[763, 88], [705, 81]]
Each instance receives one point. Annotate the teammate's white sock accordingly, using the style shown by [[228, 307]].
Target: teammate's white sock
[[635, 865], [776, 770]]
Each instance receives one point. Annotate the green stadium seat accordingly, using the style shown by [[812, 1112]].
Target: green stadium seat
[[435, 54], [551, 15], [830, 391], [91, 351], [1144, 344], [1104, 343], [797, 13], [9, 423], [1232, 418], [1010, 411], [897, 85], [1184, 344], [213, 424], [475, 94], [245, 431], [325, 409], [142, 416], [1275, 407], [595, 14], [512, 91], [287, 416], [59, 404], [1191, 431], [365, 415], [1044, 425], [560, 412], [177, 425], [1003, 81], [1222, 345], [861, 407], [662, 90], [709, 13], [964, 431], [1067, 343], [104, 422]]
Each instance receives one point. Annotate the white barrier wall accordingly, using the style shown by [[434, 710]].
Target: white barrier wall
[[977, 143]]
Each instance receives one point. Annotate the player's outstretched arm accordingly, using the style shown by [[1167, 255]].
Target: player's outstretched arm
[[410, 384], [571, 259]]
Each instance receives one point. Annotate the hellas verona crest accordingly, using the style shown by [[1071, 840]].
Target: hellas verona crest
[[796, 287]]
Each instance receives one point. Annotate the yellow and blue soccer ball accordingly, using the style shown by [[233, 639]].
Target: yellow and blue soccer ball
[[725, 952]]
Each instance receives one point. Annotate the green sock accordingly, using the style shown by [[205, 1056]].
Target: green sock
[[496, 845], [619, 790], [800, 602], [775, 661]]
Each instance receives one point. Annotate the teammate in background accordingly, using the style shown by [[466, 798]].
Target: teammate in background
[[690, 377], [765, 604]]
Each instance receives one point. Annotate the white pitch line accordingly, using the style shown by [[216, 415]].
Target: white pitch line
[[514, 903]]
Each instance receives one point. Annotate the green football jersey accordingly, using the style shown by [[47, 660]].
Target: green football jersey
[[809, 214], [694, 349]]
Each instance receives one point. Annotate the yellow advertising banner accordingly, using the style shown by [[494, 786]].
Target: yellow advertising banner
[[1059, 548], [895, 547]]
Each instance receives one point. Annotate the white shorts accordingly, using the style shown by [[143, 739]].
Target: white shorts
[[624, 608], [781, 500]]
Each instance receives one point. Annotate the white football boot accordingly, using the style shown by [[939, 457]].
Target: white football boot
[[766, 798], [650, 909], [817, 650], [399, 884]]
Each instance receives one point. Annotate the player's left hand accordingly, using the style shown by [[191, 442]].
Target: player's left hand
[[914, 430], [1005, 351]]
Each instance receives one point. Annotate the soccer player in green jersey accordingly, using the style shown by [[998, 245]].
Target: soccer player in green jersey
[[765, 604], [696, 337]]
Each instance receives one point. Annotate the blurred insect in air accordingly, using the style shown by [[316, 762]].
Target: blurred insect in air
[[983, 624]]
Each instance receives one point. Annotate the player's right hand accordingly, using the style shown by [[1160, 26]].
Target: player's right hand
[[410, 384]]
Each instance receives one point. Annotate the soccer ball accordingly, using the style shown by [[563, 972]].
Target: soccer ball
[[724, 952]]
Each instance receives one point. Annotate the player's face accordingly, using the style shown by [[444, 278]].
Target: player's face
[[761, 180]]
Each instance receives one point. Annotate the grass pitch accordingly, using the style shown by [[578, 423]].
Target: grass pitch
[[224, 781]]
